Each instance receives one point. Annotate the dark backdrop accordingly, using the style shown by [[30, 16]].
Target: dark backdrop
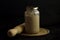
[[12, 12]]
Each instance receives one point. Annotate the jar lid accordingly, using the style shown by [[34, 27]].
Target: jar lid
[[35, 8]]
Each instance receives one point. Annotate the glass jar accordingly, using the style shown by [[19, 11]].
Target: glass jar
[[32, 20]]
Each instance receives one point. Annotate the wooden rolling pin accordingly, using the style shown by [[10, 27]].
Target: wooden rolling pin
[[16, 30]]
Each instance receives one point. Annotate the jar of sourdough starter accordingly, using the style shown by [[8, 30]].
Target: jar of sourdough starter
[[32, 20]]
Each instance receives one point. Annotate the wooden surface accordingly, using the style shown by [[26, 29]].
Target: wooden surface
[[53, 35]]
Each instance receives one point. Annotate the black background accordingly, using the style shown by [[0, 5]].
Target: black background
[[12, 13]]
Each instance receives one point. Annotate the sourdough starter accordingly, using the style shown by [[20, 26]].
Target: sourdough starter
[[32, 21]]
